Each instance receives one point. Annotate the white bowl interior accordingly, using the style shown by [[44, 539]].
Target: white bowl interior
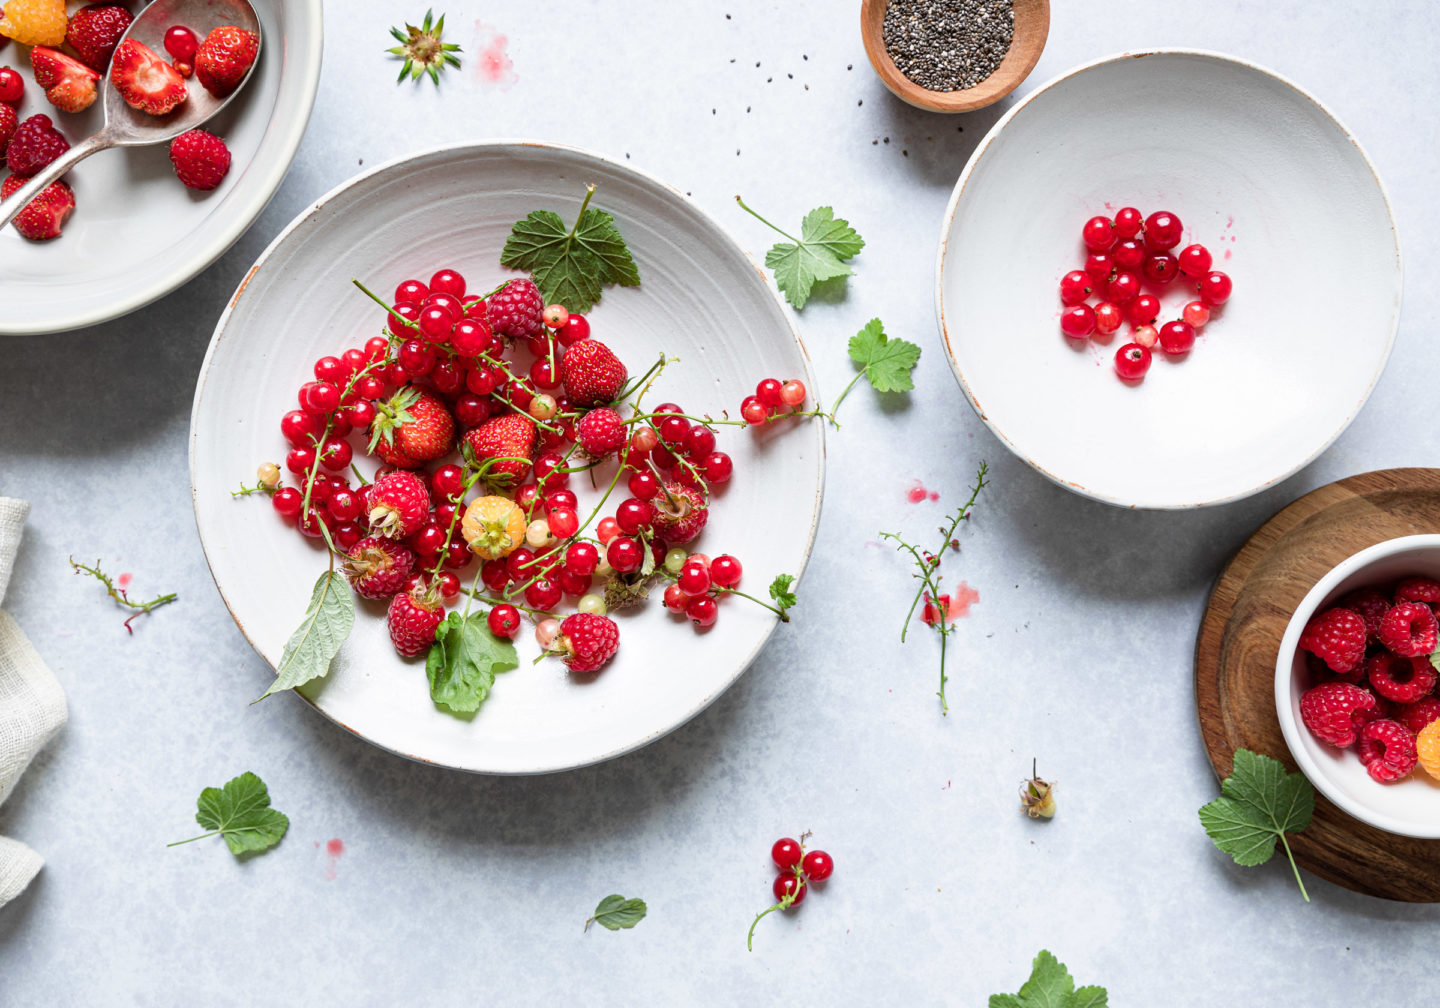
[[701, 300], [1260, 174], [1411, 806]]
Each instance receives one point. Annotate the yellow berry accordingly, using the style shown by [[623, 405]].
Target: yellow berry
[[493, 526], [1427, 748], [537, 534], [590, 603], [268, 474], [34, 22]]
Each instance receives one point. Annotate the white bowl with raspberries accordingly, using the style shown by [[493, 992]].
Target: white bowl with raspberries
[[1355, 689]]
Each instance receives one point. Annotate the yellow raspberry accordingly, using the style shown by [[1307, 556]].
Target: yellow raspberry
[[1427, 748], [34, 22]]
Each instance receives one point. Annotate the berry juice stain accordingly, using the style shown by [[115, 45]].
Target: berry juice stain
[[333, 851], [961, 599], [917, 493], [123, 581], [492, 63]]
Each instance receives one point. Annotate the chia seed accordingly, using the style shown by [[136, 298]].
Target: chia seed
[[948, 45]]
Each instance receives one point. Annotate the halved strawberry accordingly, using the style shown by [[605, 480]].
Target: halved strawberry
[[68, 83], [144, 80], [44, 215], [224, 57]]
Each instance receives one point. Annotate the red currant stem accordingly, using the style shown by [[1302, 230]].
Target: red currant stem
[[202, 836], [455, 521], [359, 476], [119, 594], [1286, 844], [246, 491], [608, 491], [376, 298], [784, 616], [655, 368], [660, 367], [784, 904], [835, 408], [470, 595], [762, 220], [704, 421], [512, 590]]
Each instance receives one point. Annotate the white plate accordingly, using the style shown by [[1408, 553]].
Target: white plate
[[1261, 174], [701, 300], [137, 233]]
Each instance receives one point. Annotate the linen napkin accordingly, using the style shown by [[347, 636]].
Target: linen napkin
[[32, 705]]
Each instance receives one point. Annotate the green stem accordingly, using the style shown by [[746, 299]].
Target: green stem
[[784, 904], [202, 836], [762, 220], [836, 408], [1294, 868]]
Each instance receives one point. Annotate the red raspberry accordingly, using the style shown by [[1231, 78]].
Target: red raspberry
[[680, 513], [378, 567], [1403, 680], [1370, 604], [1387, 748], [1409, 629], [601, 432], [413, 617], [1417, 715], [35, 144], [9, 120], [1338, 636], [1328, 709], [516, 310], [1418, 589], [201, 159], [399, 504], [1320, 672], [44, 215], [587, 641]]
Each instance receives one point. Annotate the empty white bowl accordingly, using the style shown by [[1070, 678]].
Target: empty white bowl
[[1410, 807]]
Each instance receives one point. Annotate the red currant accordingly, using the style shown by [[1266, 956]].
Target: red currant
[[377, 348], [518, 563], [448, 377], [582, 558], [319, 397], [299, 460], [725, 571], [343, 505], [702, 610], [472, 410], [564, 522], [476, 309], [519, 394], [1077, 322], [447, 281], [370, 387], [1194, 260], [1098, 234], [527, 495], [12, 86], [347, 534], [575, 329], [1108, 317], [287, 501], [300, 428], [330, 369], [607, 529], [717, 467], [753, 410], [1215, 288], [1196, 314], [411, 292], [555, 316], [625, 554], [1075, 287], [310, 522], [402, 319], [561, 499], [469, 338], [1163, 230], [1128, 221], [543, 594], [495, 575], [504, 620], [435, 323], [335, 455], [675, 599], [693, 579], [1124, 287], [818, 865], [792, 393], [644, 439], [768, 392], [1132, 361], [449, 585], [1177, 337], [415, 357], [1147, 336], [428, 540], [548, 471], [572, 583], [673, 430], [1144, 310], [633, 515], [643, 485], [542, 373], [1128, 254], [482, 381], [448, 481], [181, 43], [1099, 266], [1160, 268], [787, 884], [786, 853]]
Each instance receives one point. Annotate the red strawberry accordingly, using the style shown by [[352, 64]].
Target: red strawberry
[[512, 437], [94, 30], [9, 120], [411, 427], [587, 641], [68, 83], [591, 373], [399, 504], [601, 432], [224, 58], [413, 618], [144, 80], [35, 144], [201, 159], [680, 513], [43, 217], [378, 567]]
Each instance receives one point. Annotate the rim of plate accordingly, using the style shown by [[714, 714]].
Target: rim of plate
[[984, 146], [270, 176], [398, 162]]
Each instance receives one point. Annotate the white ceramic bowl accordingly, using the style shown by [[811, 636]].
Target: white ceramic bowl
[[1410, 807], [1259, 172], [137, 233], [701, 299]]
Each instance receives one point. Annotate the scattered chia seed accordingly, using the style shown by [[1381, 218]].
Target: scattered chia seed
[[948, 45]]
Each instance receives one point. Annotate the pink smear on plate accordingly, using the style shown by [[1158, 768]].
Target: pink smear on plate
[[492, 63], [961, 599], [918, 493], [123, 581], [333, 851]]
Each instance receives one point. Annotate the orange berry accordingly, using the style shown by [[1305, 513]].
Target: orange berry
[[35, 22], [1427, 748], [493, 526]]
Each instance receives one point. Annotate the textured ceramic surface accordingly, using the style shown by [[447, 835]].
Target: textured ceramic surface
[[1262, 175], [1410, 807], [701, 300], [137, 233]]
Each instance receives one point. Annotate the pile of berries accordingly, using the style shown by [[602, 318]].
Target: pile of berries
[[70, 79], [1130, 262], [1374, 684], [530, 399], [797, 870]]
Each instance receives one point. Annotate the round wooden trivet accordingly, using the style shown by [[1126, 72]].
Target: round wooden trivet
[[1240, 640]]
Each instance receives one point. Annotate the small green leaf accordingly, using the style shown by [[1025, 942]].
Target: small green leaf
[[887, 362], [571, 266], [822, 229], [1258, 804], [463, 661], [616, 912], [1050, 986], [781, 594], [818, 255], [241, 813], [318, 638]]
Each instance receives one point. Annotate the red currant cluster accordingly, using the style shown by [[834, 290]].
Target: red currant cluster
[[771, 396], [797, 870], [1126, 254]]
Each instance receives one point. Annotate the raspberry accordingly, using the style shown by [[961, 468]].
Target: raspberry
[[680, 513], [1327, 711], [1388, 750], [34, 22], [517, 310], [1409, 629], [9, 120], [1415, 716], [1383, 710], [1427, 748], [399, 504], [201, 159], [587, 641], [1403, 680], [1320, 672], [378, 567], [601, 432], [1338, 636], [45, 215], [412, 618], [35, 144], [1418, 589], [1370, 604]]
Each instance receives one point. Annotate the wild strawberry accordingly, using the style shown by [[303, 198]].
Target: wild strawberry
[[145, 80], [9, 120], [68, 83], [94, 31], [34, 22], [201, 159], [586, 641], [411, 427], [511, 437], [516, 310], [224, 58], [412, 618], [591, 373], [43, 217], [1338, 636], [601, 432], [35, 144], [680, 513], [399, 504], [1387, 748], [377, 567]]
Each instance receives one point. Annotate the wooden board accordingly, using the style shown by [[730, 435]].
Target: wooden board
[[1240, 640]]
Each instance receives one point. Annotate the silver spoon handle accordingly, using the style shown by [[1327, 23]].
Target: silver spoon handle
[[27, 192]]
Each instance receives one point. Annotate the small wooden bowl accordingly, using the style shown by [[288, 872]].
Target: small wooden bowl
[[1032, 27]]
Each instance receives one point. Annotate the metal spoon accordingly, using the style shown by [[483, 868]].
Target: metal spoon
[[128, 127]]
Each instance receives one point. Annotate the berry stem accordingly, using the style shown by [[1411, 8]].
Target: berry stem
[[642, 380], [202, 836], [784, 904], [120, 595], [1286, 844], [836, 407], [762, 220], [246, 491]]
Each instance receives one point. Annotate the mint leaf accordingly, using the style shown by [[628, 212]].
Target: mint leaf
[[317, 639], [1259, 804], [462, 662], [616, 912], [885, 362], [781, 594], [571, 265], [241, 813], [1050, 986], [819, 253]]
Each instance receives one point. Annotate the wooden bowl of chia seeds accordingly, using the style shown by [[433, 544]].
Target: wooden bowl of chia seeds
[[953, 55]]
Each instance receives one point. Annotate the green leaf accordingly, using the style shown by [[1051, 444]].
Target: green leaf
[[463, 661], [317, 639], [1050, 986], [799, 267], [597, 234], [241, 813], [887, 363], [616, 912], [781, 594], [1259, 803], [822, 229], [571, 265]]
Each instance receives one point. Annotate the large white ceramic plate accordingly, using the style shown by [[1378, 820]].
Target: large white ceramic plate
[[701, 300], [1259, 172], [137, 233]]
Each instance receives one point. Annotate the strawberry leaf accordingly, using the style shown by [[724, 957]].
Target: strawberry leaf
[[462, 662], [318, 638]]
